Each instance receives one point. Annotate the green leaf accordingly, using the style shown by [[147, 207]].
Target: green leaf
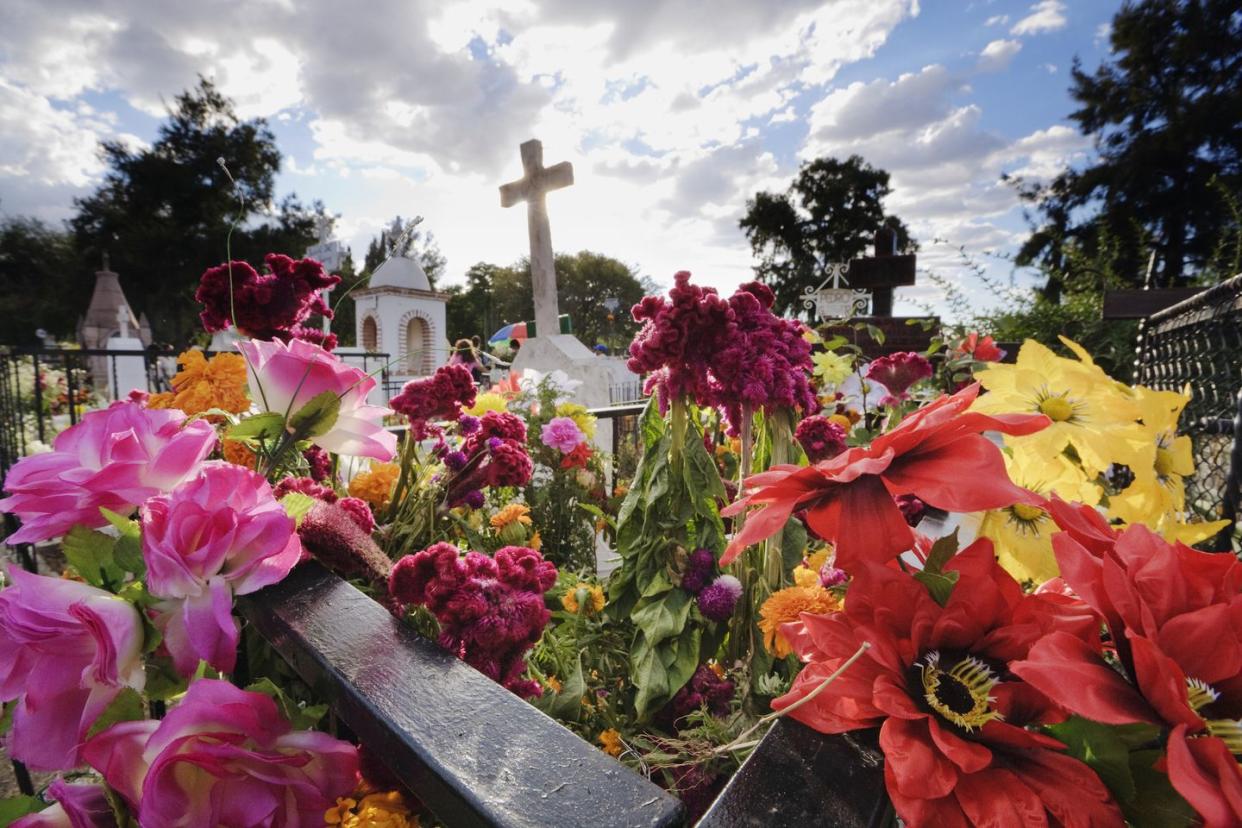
[[1100, 747], [126, 707], [941, 552], [296, 505], [875, 333], [163, 682], [939, 584], [90, 553], [128, 551], [301, 716], [566, 705], [14, 808], [6, 716], [793, 543], [317, 417], [663, 617], [266, 426], [1156, 803]]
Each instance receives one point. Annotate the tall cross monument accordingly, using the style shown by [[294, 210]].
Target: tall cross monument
[[531, 188]]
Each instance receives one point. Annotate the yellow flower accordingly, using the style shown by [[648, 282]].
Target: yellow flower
[[620, 490], [1173, 530], [1089, 411], [553, 683], [842, 420], [488, 401], [588, 598], [375, 485], [1158, 487], [161, 400], [513, 513], [1022, 534], [238, 453], [832, 368], [535, 542], [578, 413], [611, 740], [806, 574], [786, 605], [812, 336], [375, 810], [203, 384]]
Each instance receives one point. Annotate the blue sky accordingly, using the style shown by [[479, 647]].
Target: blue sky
[[672, 112]]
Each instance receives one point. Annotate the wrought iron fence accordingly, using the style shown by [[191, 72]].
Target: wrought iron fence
[[1198, 343]]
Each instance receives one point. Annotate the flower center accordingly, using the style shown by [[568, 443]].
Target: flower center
[[1228, 731], [961, 693], [1164, 462], [1199, 694], [1058, 409], [1027, 512]]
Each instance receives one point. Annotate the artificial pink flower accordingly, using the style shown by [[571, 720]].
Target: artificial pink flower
[[897, 372], [75, 806], [562, 434], [224, 756], [285, 377], [115, 458], [66, 651], [216, 536]]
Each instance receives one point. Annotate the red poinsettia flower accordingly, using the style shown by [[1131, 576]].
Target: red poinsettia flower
[[938, 453], [984, 349], [1175, 617], [951, 717], [577, 459]]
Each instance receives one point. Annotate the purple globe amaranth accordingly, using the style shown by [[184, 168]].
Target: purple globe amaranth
[[698, 571], [719, 598]]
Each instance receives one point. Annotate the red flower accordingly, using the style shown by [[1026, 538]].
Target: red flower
[[983, 350], [1175, 618], [951, 718], [937, 453], [577, 459], [897, 372]]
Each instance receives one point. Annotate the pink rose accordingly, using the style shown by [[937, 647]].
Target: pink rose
[[66, 650], [286, 376], [218, 535], [116, 458], [561, 433], [224, 756], [75, 806]]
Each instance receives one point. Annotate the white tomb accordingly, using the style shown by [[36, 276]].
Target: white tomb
[[125, 373]]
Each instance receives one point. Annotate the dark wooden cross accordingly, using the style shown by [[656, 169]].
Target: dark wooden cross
[[531, 188], [882, 272]]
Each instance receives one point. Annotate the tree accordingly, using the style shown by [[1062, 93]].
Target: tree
[[36, 267], [1165, 113], [403, 238], [167, 213], [830, 213]]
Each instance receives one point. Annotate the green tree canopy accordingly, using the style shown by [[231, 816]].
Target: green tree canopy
[[163, 214], [1165, 113], [830, 213], [36, 264]]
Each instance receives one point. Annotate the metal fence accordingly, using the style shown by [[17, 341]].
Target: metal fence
[[1198, 343]]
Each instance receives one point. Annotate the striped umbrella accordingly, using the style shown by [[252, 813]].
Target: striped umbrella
[[514, 330]]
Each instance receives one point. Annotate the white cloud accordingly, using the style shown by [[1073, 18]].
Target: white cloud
[[997, 55], [997, 20], [1045, 16]]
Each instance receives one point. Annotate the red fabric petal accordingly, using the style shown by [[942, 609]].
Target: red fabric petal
[[998, 797], [864, 524], [1163, 683], [1207, 775], [941, 812], [1068, 789], [1072, 674], [919, 768], [968, 475]]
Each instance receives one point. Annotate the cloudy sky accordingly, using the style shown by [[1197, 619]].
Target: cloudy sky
[[672, 113]]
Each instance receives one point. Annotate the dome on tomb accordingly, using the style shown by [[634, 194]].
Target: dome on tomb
[[400, 272]]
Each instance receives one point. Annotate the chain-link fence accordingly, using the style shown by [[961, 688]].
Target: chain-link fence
[[1198, 343]]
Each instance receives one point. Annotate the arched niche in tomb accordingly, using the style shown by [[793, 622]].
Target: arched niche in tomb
[[418, 348], [369, 337], [401, 315]]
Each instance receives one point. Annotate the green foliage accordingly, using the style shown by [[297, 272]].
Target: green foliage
[[830, 213], [317, 416], [267, 426], [296, 505], [90, 554], [126, 707], [37, 265], [938, 582], [301, 715], [14, 808]]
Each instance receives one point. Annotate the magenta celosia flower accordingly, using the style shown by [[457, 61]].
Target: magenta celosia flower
[[562, 434], [912, 508], [76, 805], [719, 598], [320, 463], [699, 571], [830, 576], [705, 688], [218, 535], [442, 396], [116, 458], [509, 464], [306, 486], [284, 377], [224, 756], [897, 372], [491, 610], [360, 511], [500, 424], [271, 306], [66, 650], [335, 535], [820, 438]]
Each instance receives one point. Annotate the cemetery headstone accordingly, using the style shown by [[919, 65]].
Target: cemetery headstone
[[125, 373]]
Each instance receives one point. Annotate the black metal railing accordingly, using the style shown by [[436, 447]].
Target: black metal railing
[[1198, 344]]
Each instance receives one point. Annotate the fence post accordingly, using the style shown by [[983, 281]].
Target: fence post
[[38, 397]]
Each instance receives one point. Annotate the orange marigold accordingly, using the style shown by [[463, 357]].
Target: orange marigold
[[203, 384], [785, 606], [611, 741], [238, 453], [375, 485], [374, 810], [513, 513]]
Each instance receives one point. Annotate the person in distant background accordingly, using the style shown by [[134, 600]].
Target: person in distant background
[[464, 354], [601, 349], [515, 345]]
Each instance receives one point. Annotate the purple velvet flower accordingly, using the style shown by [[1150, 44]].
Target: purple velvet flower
[[830, 576], [698, 571], [719, 598], [455, 460], [468, 424], [474, 499]]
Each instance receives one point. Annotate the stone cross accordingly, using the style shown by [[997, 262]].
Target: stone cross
[[122, 320], [531, 188]]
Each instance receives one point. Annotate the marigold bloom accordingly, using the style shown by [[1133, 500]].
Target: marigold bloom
[[372, 810], [375, 485], [514, 512], [203, 384], [238, 453], [584, 597], [952, 726], [788, 604], [611, 741], [937, 453]]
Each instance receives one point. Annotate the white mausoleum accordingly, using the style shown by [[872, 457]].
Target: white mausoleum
[[399, 314]]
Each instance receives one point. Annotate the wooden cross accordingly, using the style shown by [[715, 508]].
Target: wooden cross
[[531, 188], [882, 272]]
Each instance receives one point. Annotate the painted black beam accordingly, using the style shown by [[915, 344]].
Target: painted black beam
[[473, 752], [799, 777]]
